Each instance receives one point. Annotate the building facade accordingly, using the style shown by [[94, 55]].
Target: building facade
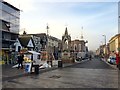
[[114, 43], [45, 44], [9, 20], [53, 46], [36, 39], [23, 43], [79, 46]]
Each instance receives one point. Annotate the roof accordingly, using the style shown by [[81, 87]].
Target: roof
[[4, 2], [25, 40], [42, 35], [54, 38], [114, 37]]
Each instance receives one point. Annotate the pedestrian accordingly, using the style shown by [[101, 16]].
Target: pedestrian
[[20, 60], [118, 60], [90, 57]]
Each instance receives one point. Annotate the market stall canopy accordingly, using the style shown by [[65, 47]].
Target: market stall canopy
[[33, 52]]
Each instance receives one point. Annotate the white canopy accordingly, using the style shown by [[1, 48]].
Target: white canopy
[[34, 52]]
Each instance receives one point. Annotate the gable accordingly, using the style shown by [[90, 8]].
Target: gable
[[30, 43], [17, 43], [24, 41]]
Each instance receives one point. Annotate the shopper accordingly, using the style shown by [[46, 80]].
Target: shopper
[[118, 60], [20, 61]]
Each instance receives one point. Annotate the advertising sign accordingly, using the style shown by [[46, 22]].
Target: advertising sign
[[28, 67]]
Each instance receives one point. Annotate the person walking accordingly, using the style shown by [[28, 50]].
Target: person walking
[[20, 61], [90, 57], [118, 60]]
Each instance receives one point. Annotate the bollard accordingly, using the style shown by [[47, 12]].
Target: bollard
[[36, 69], [59, 63]]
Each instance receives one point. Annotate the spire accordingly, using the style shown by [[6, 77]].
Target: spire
[[82, 33], [47, 29], [81, 36], [66, 31]]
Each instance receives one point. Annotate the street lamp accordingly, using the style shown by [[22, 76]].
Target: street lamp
[[105, 54], [105, 38]]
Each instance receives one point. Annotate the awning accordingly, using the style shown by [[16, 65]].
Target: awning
[[33, 52]]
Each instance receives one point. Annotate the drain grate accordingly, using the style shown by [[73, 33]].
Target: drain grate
[[55, 76]]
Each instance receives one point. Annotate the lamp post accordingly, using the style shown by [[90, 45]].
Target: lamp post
[[104, 38], [105, 54], [47, 51]]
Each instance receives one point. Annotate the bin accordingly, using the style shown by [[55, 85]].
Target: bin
[[59, 63], [36, 69]]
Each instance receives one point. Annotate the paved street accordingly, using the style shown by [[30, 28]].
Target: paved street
[[89, 74]]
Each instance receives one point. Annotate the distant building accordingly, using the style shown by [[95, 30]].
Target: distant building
[[23, 43], [53, 46], [114, 43], [97, 52], [9, 23], [103, 51], [45, 43], [78, 46], [38, 39]]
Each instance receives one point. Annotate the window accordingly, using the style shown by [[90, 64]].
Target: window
[[19, 48]]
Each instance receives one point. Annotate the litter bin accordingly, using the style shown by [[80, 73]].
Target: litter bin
[[36, 69], [59, 63]]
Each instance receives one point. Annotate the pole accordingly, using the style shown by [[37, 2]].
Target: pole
[[105, 45], [104, 38], [47, 43]]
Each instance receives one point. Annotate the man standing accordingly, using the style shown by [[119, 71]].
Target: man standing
[[20, 61]]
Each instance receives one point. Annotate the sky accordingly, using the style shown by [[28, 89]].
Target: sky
[[97, 17]]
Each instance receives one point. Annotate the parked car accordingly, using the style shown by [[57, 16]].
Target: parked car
[[112, 60]]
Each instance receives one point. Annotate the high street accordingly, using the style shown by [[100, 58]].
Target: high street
[[89, 74]]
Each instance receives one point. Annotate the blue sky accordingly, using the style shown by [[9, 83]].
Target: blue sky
[[97, 18]]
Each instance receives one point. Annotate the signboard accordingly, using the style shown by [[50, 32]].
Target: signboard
[[28, 67]]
